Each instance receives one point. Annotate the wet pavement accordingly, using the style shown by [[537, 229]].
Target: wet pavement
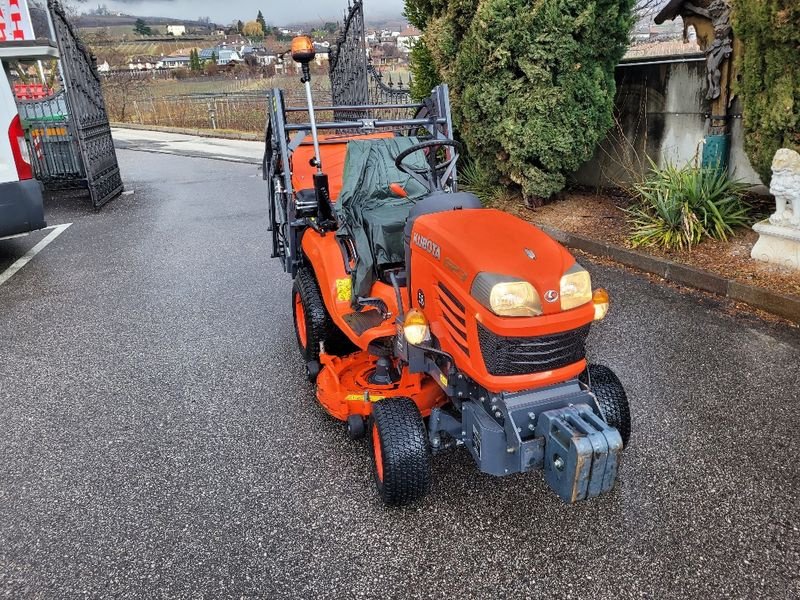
[[189, 145], [159, 440]]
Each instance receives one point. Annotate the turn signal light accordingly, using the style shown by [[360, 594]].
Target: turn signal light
[[601, 302], [415, 327]]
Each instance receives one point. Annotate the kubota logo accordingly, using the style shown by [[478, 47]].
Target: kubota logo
[[551, 295], [427, 245]]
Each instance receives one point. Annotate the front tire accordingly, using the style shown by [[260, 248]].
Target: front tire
[[613, 400], [401, 457]]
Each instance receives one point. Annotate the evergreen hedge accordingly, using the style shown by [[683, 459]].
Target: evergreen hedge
[[532, 81], [769, 77]]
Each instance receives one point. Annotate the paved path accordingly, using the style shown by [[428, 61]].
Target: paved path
[[189, 145], [159, 440]]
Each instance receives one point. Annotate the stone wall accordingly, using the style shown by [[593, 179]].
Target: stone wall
[[662, 114]]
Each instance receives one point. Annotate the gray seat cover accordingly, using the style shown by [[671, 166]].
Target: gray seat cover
[[367, 209]]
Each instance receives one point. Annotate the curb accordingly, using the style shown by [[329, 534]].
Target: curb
[[787, 307], [209, 133]]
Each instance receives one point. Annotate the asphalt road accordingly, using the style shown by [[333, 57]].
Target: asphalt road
[[157, 437]]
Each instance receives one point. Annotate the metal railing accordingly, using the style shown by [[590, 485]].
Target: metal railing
[[228, 111]]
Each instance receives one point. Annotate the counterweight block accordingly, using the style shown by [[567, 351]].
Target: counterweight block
[[581, 452]]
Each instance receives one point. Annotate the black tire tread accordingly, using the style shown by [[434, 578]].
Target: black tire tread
[[612, 399], [306, 286], [319, 325], [405, 451]]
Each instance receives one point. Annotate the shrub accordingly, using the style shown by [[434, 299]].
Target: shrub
[[769, 83], [472, 178], [532, 82], [676, 208], [425, 77]]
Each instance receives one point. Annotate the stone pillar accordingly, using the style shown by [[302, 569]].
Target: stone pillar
[[712, 22], [779, 235]]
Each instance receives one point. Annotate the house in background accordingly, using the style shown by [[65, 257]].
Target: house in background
[[225, 56], [144, 63], [407, 38], [176, 30], [264, 57], [176, 61]]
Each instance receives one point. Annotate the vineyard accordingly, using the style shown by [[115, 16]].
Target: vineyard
[[226, 104]]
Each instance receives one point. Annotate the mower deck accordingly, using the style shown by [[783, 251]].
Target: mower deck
[[344, 388]]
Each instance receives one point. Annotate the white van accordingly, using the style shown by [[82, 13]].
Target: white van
[[21, 208]]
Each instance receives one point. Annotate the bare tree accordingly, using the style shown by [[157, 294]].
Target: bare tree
[[120, 90], [121, 85]]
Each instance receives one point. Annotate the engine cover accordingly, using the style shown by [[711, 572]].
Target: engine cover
[[447, 249]]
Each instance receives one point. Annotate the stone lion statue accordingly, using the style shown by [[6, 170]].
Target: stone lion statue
[[785, 186]]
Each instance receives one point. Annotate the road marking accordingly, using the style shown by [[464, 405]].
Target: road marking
[[21, 262]]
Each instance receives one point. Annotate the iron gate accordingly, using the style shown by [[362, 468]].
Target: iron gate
[[348, 64], [87, 110], [354, 79]]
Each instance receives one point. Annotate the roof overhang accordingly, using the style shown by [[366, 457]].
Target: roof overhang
[[28, 50]]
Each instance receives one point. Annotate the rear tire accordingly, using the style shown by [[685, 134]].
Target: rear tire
[[310, 318], [312, 323], [613, 400], [401, 457]]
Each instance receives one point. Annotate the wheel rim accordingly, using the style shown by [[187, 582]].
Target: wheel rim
[[300, 320], [376, 447]]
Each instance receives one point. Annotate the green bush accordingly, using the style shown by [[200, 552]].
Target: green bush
[[676, 208], [425, 77], [532, 82], [769, 82], [472, 178]]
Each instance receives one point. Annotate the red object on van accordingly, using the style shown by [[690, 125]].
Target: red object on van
[[30, 91], [19, 149]]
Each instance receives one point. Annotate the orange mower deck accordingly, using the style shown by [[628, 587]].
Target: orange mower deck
[[343, 388]]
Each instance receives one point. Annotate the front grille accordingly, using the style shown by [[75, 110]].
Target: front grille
[[453, 315], [526, 355]]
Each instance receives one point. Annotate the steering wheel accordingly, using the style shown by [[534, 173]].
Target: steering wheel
[[435, 174]]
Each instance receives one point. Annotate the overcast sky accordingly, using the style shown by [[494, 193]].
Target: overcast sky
[[276, 12]]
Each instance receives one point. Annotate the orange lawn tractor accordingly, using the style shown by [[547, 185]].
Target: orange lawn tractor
[[427, 321]]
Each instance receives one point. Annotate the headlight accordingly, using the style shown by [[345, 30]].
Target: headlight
[[576, 287], [506, 296], [415, 327]]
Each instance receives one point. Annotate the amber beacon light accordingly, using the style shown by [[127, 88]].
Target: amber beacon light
[[303, 49]]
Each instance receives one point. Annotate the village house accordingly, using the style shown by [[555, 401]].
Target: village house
[[225, 56], [175, 61], [144, 63], [407, 38]]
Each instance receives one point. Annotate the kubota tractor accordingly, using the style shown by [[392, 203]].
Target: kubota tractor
[[427, 321]]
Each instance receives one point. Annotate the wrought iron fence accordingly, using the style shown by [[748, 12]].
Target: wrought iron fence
[[354, 79], [347, 63], [86, 120], [392, 91]]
